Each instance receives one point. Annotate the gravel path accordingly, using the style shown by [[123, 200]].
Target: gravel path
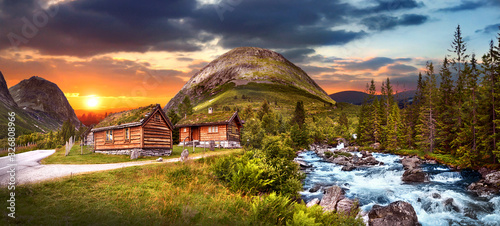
[[29, 170]]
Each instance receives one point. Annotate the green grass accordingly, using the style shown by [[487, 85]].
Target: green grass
[[89, 157], [159, 194], [285, 96]]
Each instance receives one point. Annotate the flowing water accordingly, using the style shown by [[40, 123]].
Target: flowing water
[[442, 201]]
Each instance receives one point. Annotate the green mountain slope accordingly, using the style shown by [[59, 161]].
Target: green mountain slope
[[248, 75]]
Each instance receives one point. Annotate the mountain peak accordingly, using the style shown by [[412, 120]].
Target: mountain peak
[[42, 96], [241, 66]]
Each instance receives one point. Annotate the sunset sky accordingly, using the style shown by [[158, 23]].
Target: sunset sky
[[128, 53]]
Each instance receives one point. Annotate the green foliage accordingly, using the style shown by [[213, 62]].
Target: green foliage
[[300, 137], [252, 134], [271, 210], [186, 108], [299, 116]]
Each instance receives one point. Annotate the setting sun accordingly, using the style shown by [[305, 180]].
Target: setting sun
[[93, 101]]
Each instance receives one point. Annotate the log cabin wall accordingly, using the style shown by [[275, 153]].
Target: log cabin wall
[[205, 135], [118, 141], [183, 135], [156, 133]]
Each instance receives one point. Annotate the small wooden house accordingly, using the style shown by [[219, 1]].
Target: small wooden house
[[145, 129], [222, 127]]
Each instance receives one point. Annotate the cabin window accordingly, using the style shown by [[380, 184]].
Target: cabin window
[[157, 118], [127, 133], [109, 135], [184, 130], [213, 129]]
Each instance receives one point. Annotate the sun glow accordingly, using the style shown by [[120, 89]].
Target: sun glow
[[93, 101]]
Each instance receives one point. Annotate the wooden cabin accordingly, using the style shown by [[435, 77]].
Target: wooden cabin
[[146, 129], [222, 127]]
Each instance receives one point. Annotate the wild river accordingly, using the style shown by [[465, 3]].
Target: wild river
[[442, 201]]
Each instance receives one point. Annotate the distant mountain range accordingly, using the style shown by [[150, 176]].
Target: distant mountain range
[[248, 75], [40, 106], [357, 97]]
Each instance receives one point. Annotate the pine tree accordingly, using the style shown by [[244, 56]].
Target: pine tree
[[374, 114], [444, 121], [363, 129], [264, 109], [426, 126], [343, 125], [299, 116], [487, 107], [393, 128], [185, 108], [459, 48]]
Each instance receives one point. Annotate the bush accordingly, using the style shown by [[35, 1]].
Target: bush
[[271, 210]]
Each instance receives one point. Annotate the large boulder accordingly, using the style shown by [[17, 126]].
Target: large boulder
[[414, 175], [410, 162], [493, 179], [398, 213], [331, 197], [346, 206]]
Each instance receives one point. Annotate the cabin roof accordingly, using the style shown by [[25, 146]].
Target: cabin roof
[[216, 118], [130, 118]]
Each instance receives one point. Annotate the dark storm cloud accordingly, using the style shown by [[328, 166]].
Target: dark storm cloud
[[91, 27], [383, 22], [490, 29], [464, 5]]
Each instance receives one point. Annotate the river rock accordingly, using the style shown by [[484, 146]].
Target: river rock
[[410, 162], [365, 154], [449, 204], [302, 164], [348, 168], [493, 179], [313, 202], [315, 188], [487, 186], [346, 206], [331, 197], [414, 175], [398, 213]]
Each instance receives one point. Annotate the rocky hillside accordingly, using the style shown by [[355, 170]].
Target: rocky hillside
[[247, 73], [5, 96], [25, 122], [44, 101]]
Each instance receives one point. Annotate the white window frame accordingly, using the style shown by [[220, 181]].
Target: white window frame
[[109, 135]]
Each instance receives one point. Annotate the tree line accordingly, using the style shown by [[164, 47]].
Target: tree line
[[456, 117]]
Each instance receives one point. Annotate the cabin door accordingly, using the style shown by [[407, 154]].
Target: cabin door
[[195, 133]]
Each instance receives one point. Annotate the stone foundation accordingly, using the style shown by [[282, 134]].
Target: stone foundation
[[218, 144], [142, 152]]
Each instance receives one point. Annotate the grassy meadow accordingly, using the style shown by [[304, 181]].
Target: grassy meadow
[[88, 157]]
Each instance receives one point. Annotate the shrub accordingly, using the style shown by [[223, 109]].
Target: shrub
[[271, 210]]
